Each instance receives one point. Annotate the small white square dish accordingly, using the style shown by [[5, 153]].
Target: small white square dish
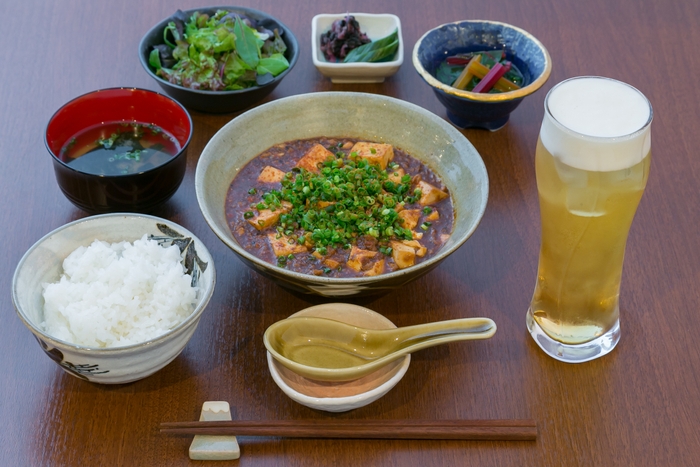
[[376, 26]]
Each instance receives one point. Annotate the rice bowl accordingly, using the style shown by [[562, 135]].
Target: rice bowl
[[42, 263]]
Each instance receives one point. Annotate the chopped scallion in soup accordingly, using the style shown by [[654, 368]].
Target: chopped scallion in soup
[[119, 148]]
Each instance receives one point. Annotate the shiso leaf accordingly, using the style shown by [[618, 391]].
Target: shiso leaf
[[380, 50]]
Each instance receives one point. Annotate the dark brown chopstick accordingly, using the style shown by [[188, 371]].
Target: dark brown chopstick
[[515, 430]]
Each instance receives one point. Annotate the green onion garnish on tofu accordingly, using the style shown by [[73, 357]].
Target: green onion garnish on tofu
[[347, 199]]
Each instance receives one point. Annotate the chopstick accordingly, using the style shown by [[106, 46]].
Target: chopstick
[[508, 430]]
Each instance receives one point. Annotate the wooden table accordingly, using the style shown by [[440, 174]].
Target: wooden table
[[637, 406]]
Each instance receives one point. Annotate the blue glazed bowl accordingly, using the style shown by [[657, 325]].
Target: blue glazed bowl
[[476, 110]]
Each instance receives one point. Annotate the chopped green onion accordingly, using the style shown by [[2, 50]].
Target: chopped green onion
[[347, 199]]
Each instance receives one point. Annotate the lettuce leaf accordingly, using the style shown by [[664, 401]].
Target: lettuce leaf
[[274, 65]]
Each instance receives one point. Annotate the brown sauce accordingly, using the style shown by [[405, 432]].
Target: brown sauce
[[246, 190]]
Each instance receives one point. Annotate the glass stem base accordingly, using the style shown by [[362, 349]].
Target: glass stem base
[[577, 353]]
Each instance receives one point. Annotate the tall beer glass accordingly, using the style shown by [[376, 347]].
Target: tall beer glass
[[592, 163]]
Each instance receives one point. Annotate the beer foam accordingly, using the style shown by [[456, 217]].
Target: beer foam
[[596, 124]]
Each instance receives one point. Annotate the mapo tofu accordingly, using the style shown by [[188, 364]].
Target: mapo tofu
[[339, 207]]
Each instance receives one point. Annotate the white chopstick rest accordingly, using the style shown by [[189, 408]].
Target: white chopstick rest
[[212, 448]]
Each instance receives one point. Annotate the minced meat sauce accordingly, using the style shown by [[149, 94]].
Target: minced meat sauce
[[418, 234]]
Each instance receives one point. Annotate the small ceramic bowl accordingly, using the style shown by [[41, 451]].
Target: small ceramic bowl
[[141, 191], [481, 110], [348, 395], [43, 263], [371, 117], [220, 101], [376, 27]]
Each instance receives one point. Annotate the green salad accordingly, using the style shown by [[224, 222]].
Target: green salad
[[222, 52]]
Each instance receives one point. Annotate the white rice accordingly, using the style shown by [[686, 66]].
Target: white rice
[[112, 295]]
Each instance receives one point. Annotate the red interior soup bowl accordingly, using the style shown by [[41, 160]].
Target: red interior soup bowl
[[120, 149]]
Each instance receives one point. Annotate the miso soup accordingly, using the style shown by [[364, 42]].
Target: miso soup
[[119, 148]]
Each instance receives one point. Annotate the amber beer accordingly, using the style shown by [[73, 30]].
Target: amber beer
[[592, 164]]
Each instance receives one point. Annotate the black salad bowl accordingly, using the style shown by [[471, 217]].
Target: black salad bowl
[[219, 101]]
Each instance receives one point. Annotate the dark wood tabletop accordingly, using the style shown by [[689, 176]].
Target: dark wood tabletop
[[639, 405]]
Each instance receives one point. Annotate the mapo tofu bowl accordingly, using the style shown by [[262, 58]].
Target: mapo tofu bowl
[[341, 194]]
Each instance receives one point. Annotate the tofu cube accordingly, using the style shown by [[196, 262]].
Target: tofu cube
[[410, 218], [430, 194], [284, 245], [376, 268], [396, 175], [375, 153], [270, 175], [314, 157], [359, 257], [417, 247], [404, 255], [405, 252], [433, 216], [267, 217]]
